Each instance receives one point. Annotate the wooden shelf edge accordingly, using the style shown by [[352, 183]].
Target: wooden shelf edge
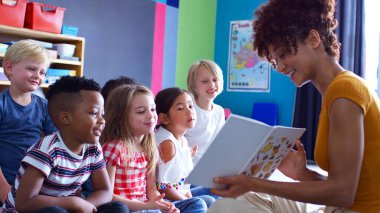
[[2, 82], [36, 34], [60, 61], [56, 61]]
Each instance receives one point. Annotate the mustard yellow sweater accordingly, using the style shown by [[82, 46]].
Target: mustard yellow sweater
[[348, 85]]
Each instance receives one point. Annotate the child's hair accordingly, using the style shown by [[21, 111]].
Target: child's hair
[[64, 94], [165, 99], [113, 83], [193, 72], [25, 49], [118, 108], [278, 23]]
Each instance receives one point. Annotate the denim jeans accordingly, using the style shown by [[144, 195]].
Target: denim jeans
[[148, 211], [111, 207], [191, 205], [87, 188], [204, 194]]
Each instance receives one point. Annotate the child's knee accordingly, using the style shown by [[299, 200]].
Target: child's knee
[[198, 203], [209, 200]]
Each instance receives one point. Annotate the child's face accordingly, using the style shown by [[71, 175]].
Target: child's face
[[182, 115], [207, 84], [27, 75], [142, 115], [87, 118]]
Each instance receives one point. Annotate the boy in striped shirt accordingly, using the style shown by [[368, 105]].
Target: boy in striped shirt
[[54, 168]]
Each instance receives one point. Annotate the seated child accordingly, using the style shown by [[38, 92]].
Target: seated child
[[23, 115], [108, 87], [176, 113], [205, 83], [130, 152], [55, 167]]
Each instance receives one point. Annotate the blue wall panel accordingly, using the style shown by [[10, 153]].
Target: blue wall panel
[[170, 48]]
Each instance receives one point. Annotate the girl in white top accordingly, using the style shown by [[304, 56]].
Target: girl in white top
[[176, 115], [205, 82]]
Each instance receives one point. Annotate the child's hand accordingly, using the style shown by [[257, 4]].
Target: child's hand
[[171, 206], [194, 150], [159, 203], [82, 206]]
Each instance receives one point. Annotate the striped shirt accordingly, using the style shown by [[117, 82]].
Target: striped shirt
[[130, 176], [64, 170]]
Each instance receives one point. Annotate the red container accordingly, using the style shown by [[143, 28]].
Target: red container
[[44, 17], [13, 15]]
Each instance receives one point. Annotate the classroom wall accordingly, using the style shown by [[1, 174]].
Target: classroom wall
[[119, 36], [196, 35], [282, 90], [122, 41]]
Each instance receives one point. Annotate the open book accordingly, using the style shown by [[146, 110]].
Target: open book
[[244, 145]]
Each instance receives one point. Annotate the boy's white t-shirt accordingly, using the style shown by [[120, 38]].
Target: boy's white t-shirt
[[206, 127]]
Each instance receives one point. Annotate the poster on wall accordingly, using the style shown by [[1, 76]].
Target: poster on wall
[[246, 71]]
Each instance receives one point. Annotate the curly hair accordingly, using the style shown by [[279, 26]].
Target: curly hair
[[64, 94], [283, 23]]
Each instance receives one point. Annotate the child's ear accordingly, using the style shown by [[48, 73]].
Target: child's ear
[[8, 68], [163, 118], [65, 118]]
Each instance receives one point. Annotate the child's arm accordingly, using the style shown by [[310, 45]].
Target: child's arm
[[167, 152], [174, 195], [194, 151], [5, 188], [155, 196], [135, 205], [102, 188], [29, 199]]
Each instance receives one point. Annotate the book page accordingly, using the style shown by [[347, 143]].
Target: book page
[[277, 145], [235, 144]]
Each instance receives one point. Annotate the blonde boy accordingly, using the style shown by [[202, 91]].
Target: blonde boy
[[23, 115]]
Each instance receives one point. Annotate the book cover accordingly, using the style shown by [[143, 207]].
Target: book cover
[[244, 145]]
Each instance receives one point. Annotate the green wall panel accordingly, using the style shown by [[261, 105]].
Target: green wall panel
[[196, 35]]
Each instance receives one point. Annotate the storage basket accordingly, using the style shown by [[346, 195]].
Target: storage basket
[[44, 17], [13, 15]]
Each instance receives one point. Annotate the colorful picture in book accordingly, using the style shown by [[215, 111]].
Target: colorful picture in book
[[246, 72], [269, 157]]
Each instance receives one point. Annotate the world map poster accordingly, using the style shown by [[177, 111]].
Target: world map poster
[[246, 71]]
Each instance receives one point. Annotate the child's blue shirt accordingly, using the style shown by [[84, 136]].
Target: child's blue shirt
[[20, 127]]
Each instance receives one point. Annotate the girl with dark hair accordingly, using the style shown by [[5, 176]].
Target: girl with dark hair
[[176, 113]]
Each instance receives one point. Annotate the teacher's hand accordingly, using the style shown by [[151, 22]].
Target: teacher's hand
[[236, 185]]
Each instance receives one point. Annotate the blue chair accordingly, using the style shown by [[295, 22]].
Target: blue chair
[[265, 112]]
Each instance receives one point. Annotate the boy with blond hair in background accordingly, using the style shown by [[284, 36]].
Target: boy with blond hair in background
[[23, 115]]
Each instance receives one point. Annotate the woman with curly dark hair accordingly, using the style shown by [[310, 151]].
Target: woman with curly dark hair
[[298, 37]]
